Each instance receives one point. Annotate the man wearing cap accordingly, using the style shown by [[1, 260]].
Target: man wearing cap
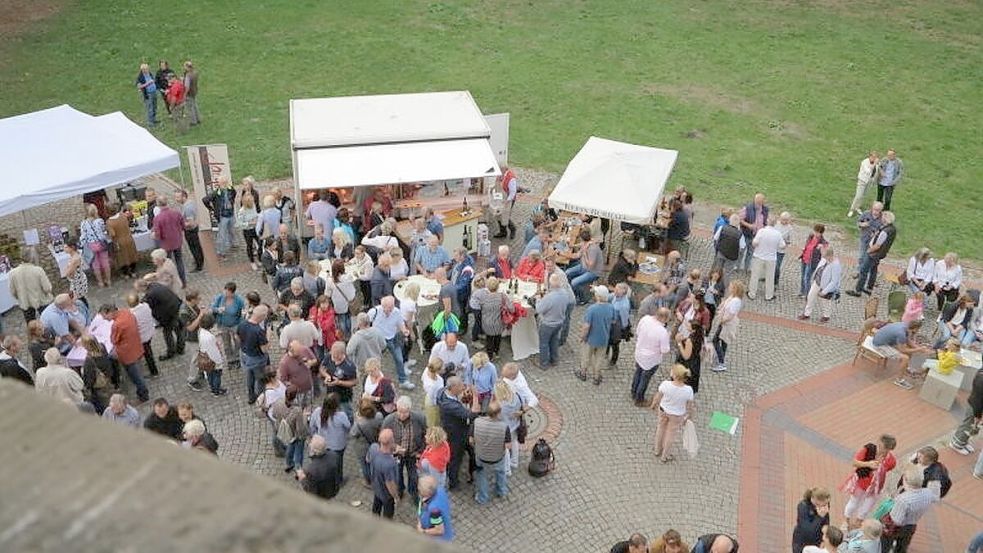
[[595, 335]]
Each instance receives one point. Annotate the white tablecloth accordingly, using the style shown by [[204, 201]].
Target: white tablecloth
[[144, 241], [103, 331], [7, 300], [61, 258], [524, 335], [326, 269], [429, 290]]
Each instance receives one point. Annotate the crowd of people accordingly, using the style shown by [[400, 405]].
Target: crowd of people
[[334, 328]]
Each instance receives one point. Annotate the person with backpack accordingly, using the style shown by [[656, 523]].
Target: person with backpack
[[935, 474], [877, 249]]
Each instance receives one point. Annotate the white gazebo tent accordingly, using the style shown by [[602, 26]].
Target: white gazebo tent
[[615, 180], [357, 141], [61, 152]]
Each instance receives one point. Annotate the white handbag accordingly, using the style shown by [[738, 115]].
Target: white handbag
[[690, 443]]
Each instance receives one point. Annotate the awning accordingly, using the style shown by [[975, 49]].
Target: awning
[[395, 163], [61, 152], [614, 180], [389, 139]]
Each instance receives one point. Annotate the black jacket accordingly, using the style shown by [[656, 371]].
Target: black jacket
[[455, 417], [170, 426], [321, 475], [729, 242], [164, 303], [11, 368], [622, 270]]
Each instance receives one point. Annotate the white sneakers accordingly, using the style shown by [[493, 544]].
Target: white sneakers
[[718, 368], [407, 385]]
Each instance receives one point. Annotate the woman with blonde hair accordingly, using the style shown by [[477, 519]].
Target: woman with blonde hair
[[433, 383], [511, 405], [377, 388], [670, 542], [249, 190], [812, 515], [342, 244], [118, 227], [920, 271], [436, 455], [492, 325], [246, 219], [268, 223], [947, 279], [398, 268], [727, 323], [674, 402], [94, 242]]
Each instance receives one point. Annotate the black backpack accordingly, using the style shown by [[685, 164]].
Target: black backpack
[[542, 462]]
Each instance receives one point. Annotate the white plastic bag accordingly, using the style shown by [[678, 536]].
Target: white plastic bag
[[690, 442]]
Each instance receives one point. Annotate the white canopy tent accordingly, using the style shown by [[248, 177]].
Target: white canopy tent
[[61, 152], [615, 180], [389, 139]]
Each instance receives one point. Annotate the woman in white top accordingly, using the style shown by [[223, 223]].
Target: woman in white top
[[398, 268], [921, 271], [246, 219], [341, 244], [674, 400], [727, 323], [362, 266], [433, 383], [342, 292], [948, 278], [407, 308]]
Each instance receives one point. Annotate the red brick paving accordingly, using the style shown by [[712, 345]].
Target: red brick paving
[[801, 435]]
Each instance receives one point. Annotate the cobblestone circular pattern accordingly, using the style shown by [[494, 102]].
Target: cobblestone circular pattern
[[544, 421]]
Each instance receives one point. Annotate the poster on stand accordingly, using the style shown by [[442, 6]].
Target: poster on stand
[[208, 163]]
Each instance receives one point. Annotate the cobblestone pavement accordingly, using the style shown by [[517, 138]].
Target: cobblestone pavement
[[608, 482]]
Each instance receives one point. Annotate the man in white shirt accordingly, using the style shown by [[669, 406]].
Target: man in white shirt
[[651, 343], [208, 344], [298, 329], [514, 378], [868, 170], [450, 351], [145, 325], [766, 244]]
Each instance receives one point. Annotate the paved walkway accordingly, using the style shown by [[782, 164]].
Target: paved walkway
[[608, 483]]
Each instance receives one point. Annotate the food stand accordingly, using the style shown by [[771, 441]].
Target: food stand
[[427, 150]]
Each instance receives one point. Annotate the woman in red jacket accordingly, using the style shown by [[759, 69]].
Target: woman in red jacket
[[434, 459], [322, 315]]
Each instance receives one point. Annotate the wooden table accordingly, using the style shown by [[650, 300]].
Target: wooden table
[[650, 279]]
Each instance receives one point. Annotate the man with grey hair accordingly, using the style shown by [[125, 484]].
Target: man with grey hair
[[189, 211], [380, 284], [389, 321], [429, 258], [564, 286], [366, 342], [729, 242], [552, 311], [295, 371], [877, 249], [168, 229], [409, 430], [299, 329], [120, 411], [57, 320], [595, 335], [909, 507], [319, 476], [10, 365], [451, 352], [384, 471], [57, 380], [435, 510], [491, 439], [296, 294]]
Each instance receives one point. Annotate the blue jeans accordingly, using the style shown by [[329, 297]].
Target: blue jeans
[[366, 469], [344, 322], [640, 382], [133, 371], [807, 270], [945, 334], [150, 104], [254, 368], [580, 278], [778, 266], [720, 347], [565, 330], [295, 454], [482, 476], [427, 469], [214, 380], [549, 343], [868, 273], [395, 347], [748, 254], [224, 239]]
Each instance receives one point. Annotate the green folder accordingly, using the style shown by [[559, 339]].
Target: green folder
[[723, 422]]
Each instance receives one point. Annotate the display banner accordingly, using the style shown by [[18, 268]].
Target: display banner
[[208, 164]]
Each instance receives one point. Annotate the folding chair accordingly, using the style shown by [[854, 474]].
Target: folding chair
[[870, 352]]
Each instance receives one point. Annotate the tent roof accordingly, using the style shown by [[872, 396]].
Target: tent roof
[[61, 152], [614, 180], [384, 119]]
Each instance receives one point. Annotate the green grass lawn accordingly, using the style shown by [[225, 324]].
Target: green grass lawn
[[779, 96]]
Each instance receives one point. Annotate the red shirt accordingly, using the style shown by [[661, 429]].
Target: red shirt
[[175, 92], [169, 229], [529, 269], [438, 456], [887, 465], [126, 337], [324, 321]]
